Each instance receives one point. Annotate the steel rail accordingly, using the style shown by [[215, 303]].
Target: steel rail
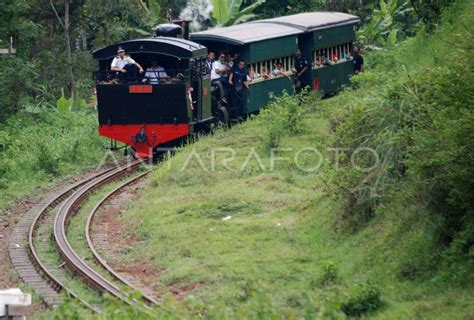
[[65, 212], [33, 255], [98, 258]]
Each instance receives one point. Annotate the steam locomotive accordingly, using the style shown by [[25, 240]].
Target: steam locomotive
[[148, 116]]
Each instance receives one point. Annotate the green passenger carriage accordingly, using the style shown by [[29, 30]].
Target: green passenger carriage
[[262, 43]]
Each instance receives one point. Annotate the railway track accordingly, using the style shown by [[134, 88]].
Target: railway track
[[54, 212], [98, 258]]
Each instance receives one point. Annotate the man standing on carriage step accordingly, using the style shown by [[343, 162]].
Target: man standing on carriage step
[[124, 66], [357, 60], [238, 81], [301, 67]]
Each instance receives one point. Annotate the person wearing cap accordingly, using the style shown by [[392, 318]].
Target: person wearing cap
[[123, 64], [357, 60], [301, 67]]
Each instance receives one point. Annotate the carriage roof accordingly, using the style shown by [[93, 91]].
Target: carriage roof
[[175, 47], [255, 31]]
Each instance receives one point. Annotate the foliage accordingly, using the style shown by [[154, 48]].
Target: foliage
[[363, 298], [276, 8], [329, 273], [39, 147], [283, 116], [418, 120], [226, 12], [380, 29], [429, 11]]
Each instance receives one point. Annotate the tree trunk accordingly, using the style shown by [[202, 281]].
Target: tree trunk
[[70, 69], [84, 40]]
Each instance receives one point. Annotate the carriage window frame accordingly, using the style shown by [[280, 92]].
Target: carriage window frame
[[256, 68], [329, 53]]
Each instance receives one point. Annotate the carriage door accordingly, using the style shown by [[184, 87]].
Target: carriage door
[[202, 89]]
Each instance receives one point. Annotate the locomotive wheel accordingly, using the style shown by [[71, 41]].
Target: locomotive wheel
[[222, 117]]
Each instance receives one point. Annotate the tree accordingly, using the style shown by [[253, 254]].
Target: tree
[[429, 11], [67, 40]]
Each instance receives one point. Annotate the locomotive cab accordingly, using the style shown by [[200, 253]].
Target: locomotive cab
[[144, 113]]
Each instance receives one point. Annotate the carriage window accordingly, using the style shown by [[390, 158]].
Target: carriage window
[[331, 55], [270, 69]]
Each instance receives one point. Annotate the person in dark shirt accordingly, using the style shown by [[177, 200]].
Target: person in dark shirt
[[238, 81], [357, 60], [301, 67]]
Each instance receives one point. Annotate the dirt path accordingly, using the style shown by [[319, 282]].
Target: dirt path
[[112, 241], [109, 239]]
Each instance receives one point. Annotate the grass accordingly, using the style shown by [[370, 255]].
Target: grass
[[279, 238], [335, 242]]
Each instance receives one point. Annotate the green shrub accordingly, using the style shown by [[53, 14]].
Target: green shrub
[[37, 148], [363, 298], [283, 116], [329, 273]]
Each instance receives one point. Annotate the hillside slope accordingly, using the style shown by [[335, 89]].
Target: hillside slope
[[382, 227]]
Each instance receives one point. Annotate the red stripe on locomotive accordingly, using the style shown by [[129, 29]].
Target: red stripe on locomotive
[[156, 134]]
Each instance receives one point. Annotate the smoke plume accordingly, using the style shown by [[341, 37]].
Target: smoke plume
[[199, 12]]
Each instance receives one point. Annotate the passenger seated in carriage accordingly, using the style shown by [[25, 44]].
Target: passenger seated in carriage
[[278, 70], [154, 73], [124, 66]]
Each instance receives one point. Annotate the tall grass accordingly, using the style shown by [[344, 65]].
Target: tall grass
[[35, 149], [415, 110]]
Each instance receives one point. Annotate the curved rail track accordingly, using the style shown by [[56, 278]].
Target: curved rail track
[[97, 257], [27, 261]]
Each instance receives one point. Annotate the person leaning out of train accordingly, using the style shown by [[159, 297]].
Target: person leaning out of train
[[279, 71], [265, 73], [124, 65], [301, 68], [357, 60], [154, 73], [219, 68], [219, 73], [238, 81]]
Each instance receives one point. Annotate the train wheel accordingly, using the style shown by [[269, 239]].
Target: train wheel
[[222, 118]]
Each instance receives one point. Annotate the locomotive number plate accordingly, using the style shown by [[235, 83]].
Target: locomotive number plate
[[140, 89]]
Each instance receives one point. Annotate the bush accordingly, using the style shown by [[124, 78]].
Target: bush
[[363, 298], [37, 148], [329, 274], [283, 116]]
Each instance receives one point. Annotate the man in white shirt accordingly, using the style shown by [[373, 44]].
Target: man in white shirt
[[155, 73], [123, 64], [219, 68], [219, 74]]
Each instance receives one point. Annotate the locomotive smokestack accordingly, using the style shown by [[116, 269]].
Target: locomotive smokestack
[[168, 30], [184, 24]]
